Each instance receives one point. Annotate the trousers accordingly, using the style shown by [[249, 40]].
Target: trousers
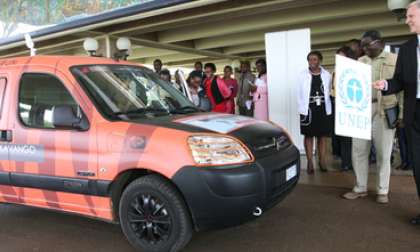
[[382, 138]]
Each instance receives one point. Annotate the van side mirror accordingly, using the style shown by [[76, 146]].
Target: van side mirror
[[64, 116]]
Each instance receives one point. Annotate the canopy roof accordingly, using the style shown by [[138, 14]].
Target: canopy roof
[[180, 31]]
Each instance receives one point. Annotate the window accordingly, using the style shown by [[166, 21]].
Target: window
[[129, 91], [38, 95], [3, 82]]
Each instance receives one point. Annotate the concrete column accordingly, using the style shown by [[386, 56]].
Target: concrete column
[[107, 47]]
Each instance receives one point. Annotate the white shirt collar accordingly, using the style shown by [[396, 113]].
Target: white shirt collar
[[418, 39], [322, 70]]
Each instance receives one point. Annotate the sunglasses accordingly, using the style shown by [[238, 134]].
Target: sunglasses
[[372, 43]]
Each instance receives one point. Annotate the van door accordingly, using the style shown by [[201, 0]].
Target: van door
[[7, 192], [51, 161]]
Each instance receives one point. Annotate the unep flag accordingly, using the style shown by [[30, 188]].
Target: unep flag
[[353, 98]]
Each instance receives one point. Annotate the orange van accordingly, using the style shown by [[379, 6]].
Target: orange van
[[110, 140]]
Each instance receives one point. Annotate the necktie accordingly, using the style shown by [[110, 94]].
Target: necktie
[[418, 72]]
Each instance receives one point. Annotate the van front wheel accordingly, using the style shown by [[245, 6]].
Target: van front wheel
[[153, 215]]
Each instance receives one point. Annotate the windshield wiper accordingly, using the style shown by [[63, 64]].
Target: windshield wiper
[[142, 111], [159, 111], [185, 110]]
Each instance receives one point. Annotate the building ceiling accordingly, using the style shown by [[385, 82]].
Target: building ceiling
[[222, 31]]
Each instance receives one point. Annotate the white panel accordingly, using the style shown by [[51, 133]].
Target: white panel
[[353, 101], [286, 59]]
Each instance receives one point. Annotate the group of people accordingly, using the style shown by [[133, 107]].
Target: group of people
[[235, 91], [317, 104], [396, 85]]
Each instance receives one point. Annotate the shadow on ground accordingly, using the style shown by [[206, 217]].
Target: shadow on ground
[[312, 218]]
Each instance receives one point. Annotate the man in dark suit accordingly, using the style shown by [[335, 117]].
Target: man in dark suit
[[407, 78]]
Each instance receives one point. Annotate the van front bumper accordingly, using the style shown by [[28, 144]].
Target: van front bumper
[[226, 196]]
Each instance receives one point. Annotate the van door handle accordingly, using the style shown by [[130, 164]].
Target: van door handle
[[5, 135]]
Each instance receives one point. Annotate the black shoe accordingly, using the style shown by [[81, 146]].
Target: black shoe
[[322, 168], [415, 220], [406, 168], [401, 166], [310, 168], [345, 168]]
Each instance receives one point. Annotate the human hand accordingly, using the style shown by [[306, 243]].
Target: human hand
[[380, 84], [253, 88], [400, 123]]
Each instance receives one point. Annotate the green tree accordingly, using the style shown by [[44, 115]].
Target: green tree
[[45, 12]]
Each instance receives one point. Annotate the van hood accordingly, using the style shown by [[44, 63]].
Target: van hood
[[256, 134], [218, 123], [203, 122]]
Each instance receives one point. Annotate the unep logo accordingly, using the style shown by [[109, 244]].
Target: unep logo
[[353, 91]]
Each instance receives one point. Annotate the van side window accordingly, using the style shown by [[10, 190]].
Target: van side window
[[38, 95], [3, 82]]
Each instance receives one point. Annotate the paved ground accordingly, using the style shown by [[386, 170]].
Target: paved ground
[[312, 218]]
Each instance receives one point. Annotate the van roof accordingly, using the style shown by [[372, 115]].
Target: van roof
[[63, 60]]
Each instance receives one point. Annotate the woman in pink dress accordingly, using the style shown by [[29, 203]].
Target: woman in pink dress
[[233, 86], [260, 96]]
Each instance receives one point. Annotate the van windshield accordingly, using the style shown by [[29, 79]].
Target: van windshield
[[125, 92]]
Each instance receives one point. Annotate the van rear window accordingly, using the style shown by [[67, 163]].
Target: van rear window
[[38, 95], [3, 83]]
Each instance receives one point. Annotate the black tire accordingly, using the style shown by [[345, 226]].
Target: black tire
[[153, 215]]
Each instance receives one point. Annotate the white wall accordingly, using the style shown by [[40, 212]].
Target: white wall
[[286, 57]]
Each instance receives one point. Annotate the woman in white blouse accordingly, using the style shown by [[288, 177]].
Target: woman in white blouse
[[315, 108]]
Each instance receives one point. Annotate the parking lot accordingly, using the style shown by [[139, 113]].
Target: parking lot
[[312, 218]]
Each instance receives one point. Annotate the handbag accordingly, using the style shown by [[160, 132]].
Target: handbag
[[392, 116], [205, 103]]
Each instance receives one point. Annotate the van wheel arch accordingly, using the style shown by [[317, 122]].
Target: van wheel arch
[[121, 182]]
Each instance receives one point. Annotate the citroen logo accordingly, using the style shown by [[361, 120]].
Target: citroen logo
[[277, 143], [273, 144]]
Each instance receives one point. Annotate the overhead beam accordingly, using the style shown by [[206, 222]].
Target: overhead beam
[[145, 52], [317, 28], [245, 48], [91, 27], [190, 63], [201, 15], [183, 49], [394, 31], [399, 30], [52, 44], [287, 17], [168, 59], [258, 49]]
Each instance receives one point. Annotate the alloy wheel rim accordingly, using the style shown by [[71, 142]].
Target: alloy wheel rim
[[149, 219]]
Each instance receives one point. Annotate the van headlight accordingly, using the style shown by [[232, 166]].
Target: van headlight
[[218, 150]]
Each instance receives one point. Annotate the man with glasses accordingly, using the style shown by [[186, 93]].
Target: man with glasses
[[383, 66]]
